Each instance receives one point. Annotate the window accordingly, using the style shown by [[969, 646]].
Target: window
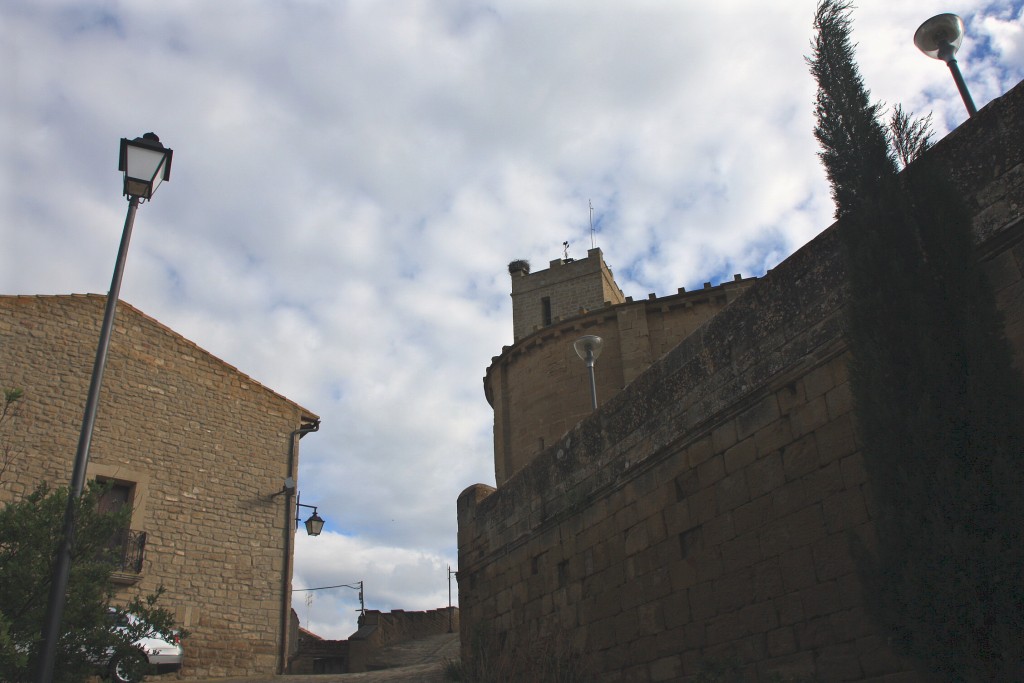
[[126, 546], [126, 487], [117, 496], [545, 307]]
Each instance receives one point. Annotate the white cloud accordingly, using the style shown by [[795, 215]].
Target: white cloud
[[351, 179], [393, 578]]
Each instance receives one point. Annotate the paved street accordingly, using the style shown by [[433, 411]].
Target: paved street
[[416, 660]]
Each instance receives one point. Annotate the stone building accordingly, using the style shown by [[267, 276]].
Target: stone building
[[539, 387], [702, 515], [194, 446]]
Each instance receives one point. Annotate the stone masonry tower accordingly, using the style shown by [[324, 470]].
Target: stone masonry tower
[[539, 387], [561, 291]]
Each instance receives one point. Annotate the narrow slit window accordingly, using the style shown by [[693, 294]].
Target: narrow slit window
[[545, 310]]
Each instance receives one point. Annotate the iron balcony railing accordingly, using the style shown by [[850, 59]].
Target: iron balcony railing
[[127, 549]]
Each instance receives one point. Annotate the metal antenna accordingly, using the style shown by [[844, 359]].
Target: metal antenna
[[592, 244], [565, 250]]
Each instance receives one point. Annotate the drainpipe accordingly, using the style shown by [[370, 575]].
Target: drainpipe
[[289, 540]]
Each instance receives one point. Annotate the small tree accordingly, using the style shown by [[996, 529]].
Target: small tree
[[29, 535], [937, 400], [854, 149]]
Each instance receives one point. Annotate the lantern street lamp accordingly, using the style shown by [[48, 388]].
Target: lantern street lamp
[[588, 348], [145, 163], [940, 38], [315, 523]]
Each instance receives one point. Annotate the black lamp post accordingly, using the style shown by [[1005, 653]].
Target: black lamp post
[[940, 38], [145, 163]]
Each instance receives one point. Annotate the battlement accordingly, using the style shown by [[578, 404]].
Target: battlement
[[560, 291], [721, 293]]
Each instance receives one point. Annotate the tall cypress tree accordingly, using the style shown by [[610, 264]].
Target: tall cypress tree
[[938, 403], [855, 151]]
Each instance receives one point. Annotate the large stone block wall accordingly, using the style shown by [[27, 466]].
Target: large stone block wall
[[704, 514], [543, 383], [652, 328], [379, 629], [399, 625], [667, 530], [204, 445]]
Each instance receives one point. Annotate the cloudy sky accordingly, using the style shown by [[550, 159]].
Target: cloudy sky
[[351, 179]]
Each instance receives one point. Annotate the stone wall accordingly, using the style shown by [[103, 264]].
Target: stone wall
[[399, 625], [704, 515], [202, 445], [314, 655], [377, 630]]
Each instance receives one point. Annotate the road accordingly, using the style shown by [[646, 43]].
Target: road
[[419, 660]]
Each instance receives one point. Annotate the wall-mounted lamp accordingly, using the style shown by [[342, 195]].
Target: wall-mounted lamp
[[940, 38], [315, 523], [588, 348]]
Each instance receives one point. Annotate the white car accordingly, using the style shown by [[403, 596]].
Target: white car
[[152, 654]]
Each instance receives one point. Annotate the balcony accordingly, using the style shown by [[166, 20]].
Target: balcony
[[127, 550]]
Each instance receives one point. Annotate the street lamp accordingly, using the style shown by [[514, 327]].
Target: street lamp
[[588, 348], [940, 38], [315, 523], [145, 163]]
